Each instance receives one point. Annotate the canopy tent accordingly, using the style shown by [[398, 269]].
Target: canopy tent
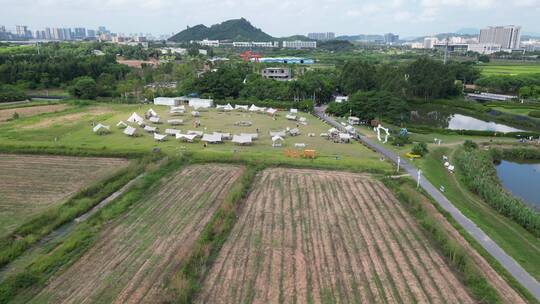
[[271, 111], [186, 137], [101, 129], [290, 117], [121, 125], [253, 136], [224, 136], [195, 113], [241, 139], [155, 119], [278, 133], [160, 137], [130, 131], [151, 113], [196, 133], [150, 129], [175, 122], [240, 107], [172, 131], [136, 118], [277, 141], [212, 138]]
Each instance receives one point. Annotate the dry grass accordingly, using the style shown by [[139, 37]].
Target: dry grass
[[31, 111]]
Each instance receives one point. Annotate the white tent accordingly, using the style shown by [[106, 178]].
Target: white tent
[[241, 107], [172, 131], [224, 136], [227, 107], [294, 132], [101, 129], [290, 117], [130, 131], [136, 118], [186, 137], [212, 138], [150, 129], [353, 120], [271, 111], [167, 101], [175, 122], [155, 119], [278, 133], [195, 113], [302, 119], [196, 133], [277, 141], [254, 108], [199, 103], [151, 113], [293, 111], [253, 136], [241, 139], [121, 125], [160, 137], [177, 110]]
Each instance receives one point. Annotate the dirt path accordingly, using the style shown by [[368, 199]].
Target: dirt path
[[322, 236], [135, 255]]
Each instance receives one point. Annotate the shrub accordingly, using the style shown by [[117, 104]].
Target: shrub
[[470, 145], [534, 113], [420, 149]]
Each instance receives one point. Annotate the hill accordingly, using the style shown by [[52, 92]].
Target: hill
[[235, 29]]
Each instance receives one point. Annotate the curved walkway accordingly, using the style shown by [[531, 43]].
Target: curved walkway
[[480, 236]]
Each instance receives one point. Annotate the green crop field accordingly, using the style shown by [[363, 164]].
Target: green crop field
[[509, 69]]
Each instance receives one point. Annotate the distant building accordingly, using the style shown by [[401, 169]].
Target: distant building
[[91, 34], [322, 36], [206, 42], [280, 74], [286, 60], [484, 48], [298, 44], [390, 38], [508, 37], [452, 47], [429, 42], [2, 29], [79, 33]]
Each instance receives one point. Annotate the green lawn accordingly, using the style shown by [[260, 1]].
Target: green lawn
[[509, 69], [73, 129]]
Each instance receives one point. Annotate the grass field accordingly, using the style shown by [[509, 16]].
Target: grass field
[[320, 236], [509, 68], [73, 129], [32, 184], [135, 256]]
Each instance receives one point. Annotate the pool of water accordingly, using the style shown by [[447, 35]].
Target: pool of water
[[448, 119], [522, 180], [463, 122]]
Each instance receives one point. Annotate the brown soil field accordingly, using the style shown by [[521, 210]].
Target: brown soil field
[[33, 183], [308, 236], [30, 111], [68, 119], [136, 255]]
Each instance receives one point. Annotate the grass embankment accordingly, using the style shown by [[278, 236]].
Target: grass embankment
[[188, 280], [454, 252], [510, 236], [23, 284], [17, 242], [509, 68], [480, 176]]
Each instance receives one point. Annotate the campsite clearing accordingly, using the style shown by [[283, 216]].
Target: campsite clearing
[[135, 256], [32, 184], [311, 236]]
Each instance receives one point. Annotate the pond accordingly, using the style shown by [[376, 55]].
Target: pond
[[522, 180], [454, 121]]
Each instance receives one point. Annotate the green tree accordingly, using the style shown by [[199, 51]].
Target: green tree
[[84, 87], [358, 75]]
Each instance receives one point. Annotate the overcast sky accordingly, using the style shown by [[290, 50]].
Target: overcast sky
[[276, 17]]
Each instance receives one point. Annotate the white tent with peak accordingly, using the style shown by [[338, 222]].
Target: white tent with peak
[[277, 141], [101, 129], [227, 107], [136, 119], [254, 108], [213, 138], [271, 111], [186, 137], [241, 107], [130, 131], [155, 119], [151, 113]]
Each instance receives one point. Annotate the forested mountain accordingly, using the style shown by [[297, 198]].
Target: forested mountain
[[236, 29]]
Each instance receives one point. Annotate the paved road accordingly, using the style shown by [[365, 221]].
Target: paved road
[[504, 259]]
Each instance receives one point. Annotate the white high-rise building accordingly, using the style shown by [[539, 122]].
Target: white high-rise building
[[322, 36], [508, 37]]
